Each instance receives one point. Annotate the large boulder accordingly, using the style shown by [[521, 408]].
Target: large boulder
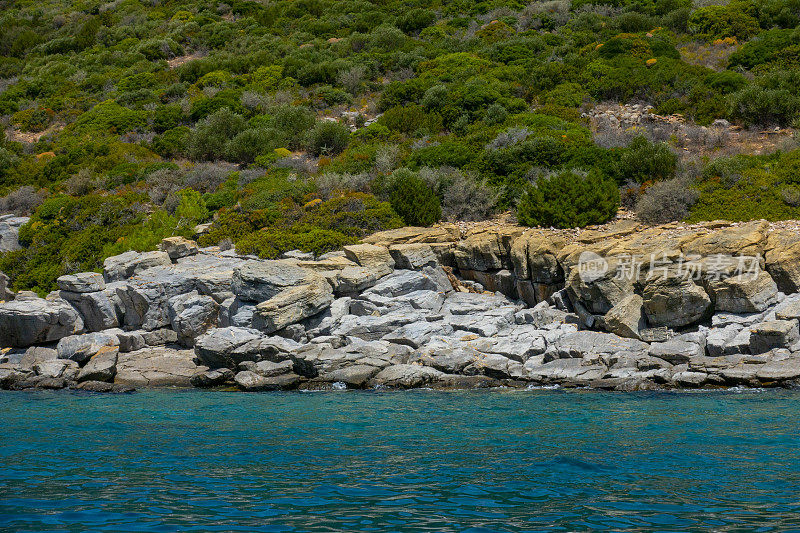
[[627, 318], [177, 247], [783, 259], [191, 315], [293, 305], [5, 288], [773, 334], [100, 310], [258, 281], [582, 344], [744, 293], [252, 381], [227, 347], [81, 348], [157, 367], [412, 256], [9, 232], [598, 283], [406, 376], [371, 256], [102, 366], [674, 301], [31, 320], [123, 266], [82, 282]]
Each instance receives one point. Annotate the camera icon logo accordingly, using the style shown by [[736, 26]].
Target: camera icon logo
[[591, 266]]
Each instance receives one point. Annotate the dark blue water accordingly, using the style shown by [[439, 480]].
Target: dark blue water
[[413, 461]]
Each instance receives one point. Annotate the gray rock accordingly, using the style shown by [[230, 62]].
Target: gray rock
[[191, 315], [412, 256], [688, 378], [121, 267], [401, 282], [519, 344], [270, 369], [251, 382], [676, 351], [36, 354], [9, 232], [102, 366], [584, 343], [718, 339], [572, 370], [744, 293], [234, 312], [660, 334], [674, 301], [293, 305], [299, 255], [99, 310], [372, 328], [486, 325], [227, 347], [82, 282], [352, 280], [81, 348], [790, 310], [627, 319], [406, 376], [259, 281], [27, 321], [212, 378], [355, 376], [6, 293], [157, 367], [57, 368], [103, 387], [416, 334], [740, 344], [467, 303], [773, 334]]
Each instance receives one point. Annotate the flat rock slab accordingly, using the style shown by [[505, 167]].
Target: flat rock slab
[[157, 367]]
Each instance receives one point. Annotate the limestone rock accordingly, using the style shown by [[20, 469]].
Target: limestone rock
[[371, 256], [406, 376], [123, 266], [192, 315], [99, 310], [27, 321], [744, 293], [412, 256], [6, 293], [177, 247], [228, 347], [251, 381], [258, 281], [81, 348], [82, 282], [102, 366], [674, 301], [627, 318], [212, 378], [157, 367], [56, 368], [676, 351], [9, 232], [293, 305], [773, 334]]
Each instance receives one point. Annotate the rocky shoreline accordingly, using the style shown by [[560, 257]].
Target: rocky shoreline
[[623, 307]]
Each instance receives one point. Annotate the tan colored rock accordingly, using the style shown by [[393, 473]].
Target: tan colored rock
[[486, 249], [627, 318], [745, 293], [177, 247], [746, 239], [370, 256], [674, 301], [443, 233], [599, 290], [782, 259]]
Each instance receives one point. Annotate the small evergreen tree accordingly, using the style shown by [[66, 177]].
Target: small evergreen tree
[[568, 200]]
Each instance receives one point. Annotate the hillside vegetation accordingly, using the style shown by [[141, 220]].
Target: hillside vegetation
[[307, 124]]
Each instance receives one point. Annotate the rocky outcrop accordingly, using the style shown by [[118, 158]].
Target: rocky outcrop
[[9, 232], [29, 320], [514, 308]]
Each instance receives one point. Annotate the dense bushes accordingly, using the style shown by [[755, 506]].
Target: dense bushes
[[264, 107], [568, 199]]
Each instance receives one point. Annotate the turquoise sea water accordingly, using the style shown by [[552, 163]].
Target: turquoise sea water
[[406, 461]]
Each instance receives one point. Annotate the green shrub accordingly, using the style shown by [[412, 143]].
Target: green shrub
[[211, 135], [569, 200], [645, 161], [413, 199], [327, 138]]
